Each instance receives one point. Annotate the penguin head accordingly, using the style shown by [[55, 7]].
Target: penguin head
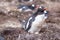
[[42, 9], [42, 12]]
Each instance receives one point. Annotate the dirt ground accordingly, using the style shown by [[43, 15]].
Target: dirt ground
[[10, 26]]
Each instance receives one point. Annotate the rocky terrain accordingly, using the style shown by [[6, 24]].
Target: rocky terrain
[[10, 26]]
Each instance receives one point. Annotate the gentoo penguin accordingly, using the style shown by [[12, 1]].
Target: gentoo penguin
[[26, 8], [35, 21]]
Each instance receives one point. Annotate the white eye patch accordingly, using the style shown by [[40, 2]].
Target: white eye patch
[[45, 11], [30, 0], [40, 7], [33, 5]]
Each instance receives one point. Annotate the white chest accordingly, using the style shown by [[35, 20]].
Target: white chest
[[39, 20]]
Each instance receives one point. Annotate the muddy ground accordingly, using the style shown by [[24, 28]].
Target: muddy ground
[[10, 26]]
